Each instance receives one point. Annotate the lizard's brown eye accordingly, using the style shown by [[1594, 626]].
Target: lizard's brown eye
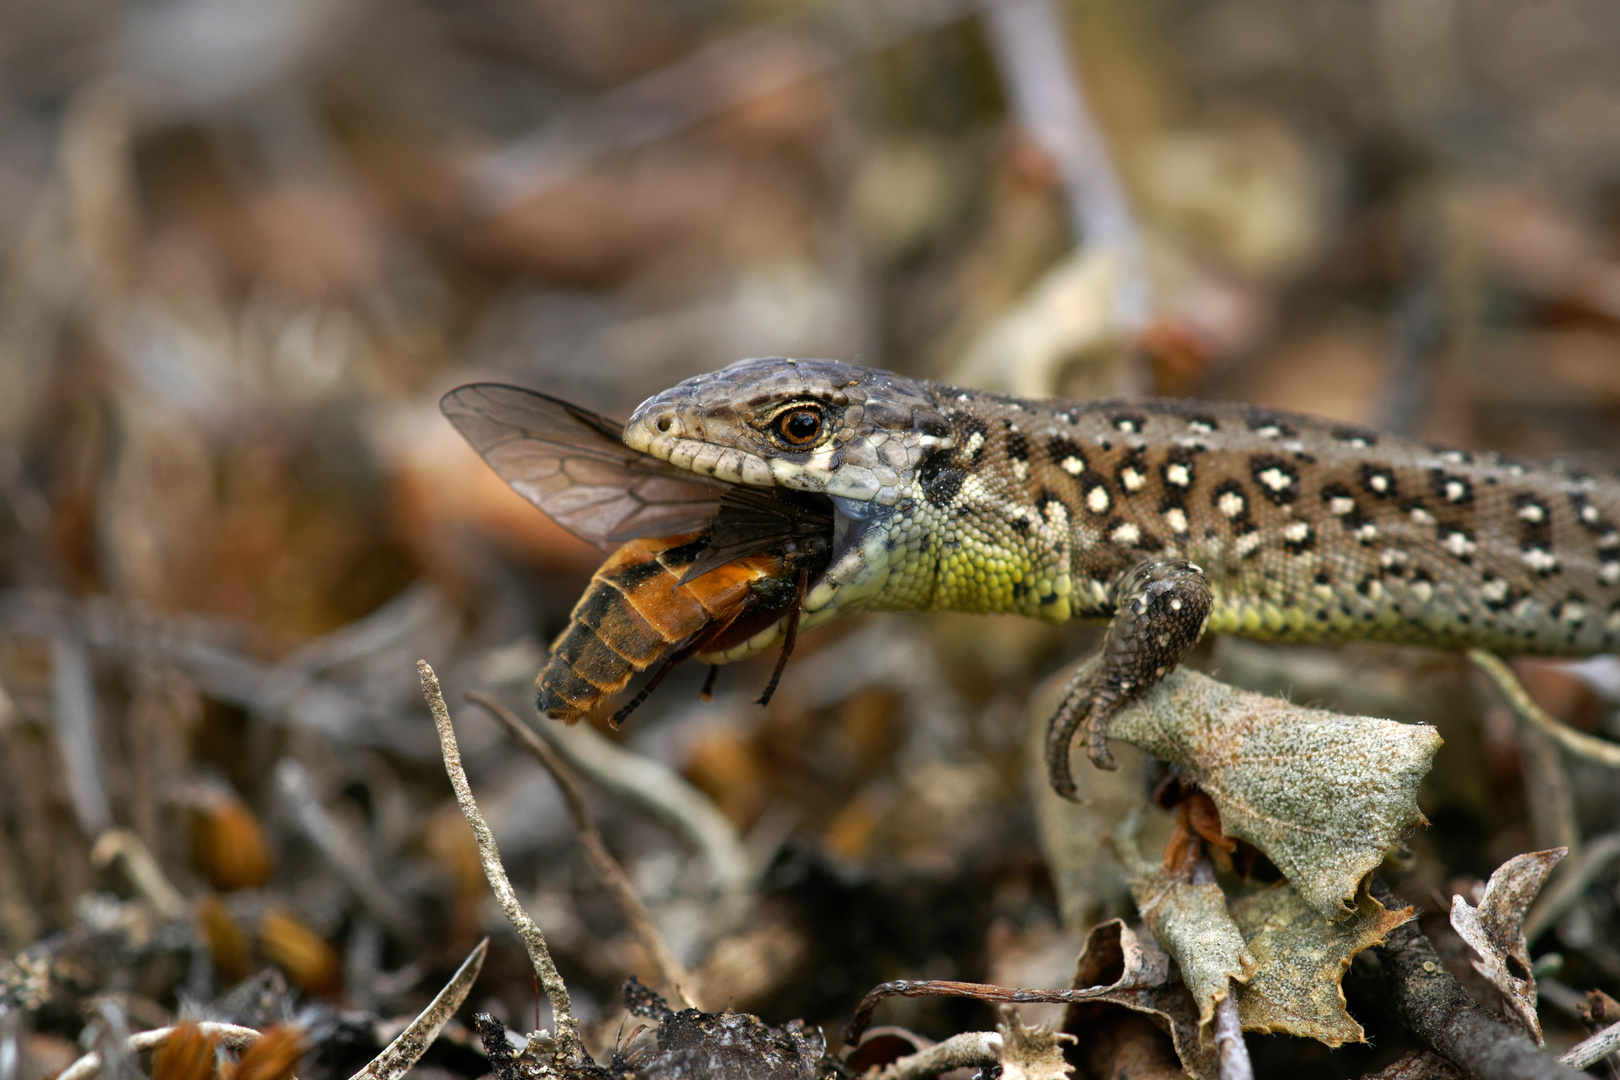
[[798, 427]]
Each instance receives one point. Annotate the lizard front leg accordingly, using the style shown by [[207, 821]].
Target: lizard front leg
[[1160, 609]]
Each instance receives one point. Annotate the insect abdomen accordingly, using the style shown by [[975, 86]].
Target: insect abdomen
[[632, 615]]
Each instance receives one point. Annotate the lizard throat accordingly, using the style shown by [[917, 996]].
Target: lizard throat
[[858, 571]]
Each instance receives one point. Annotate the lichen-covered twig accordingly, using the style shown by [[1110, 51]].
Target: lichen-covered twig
[[670, 970], [545, 969], [1584, 1055], [230, 1035], [969, 1050], [1434, 1007], [1582, 746], [409, 1045]]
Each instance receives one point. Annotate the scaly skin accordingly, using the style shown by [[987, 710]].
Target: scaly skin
[[952, 499]]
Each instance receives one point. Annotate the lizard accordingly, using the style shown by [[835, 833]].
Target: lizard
[[1167, 518]]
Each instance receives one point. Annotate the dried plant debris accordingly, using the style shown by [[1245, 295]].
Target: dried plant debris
[[1192, 923], [694, 1045], [1324, 796], [1495, 930], [1133, 971], [1302, 960], [1031, 1053]]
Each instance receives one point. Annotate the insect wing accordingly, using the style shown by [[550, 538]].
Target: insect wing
[[569, 462]]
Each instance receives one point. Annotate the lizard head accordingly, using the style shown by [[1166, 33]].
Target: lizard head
[[814, 425], [856, 436]]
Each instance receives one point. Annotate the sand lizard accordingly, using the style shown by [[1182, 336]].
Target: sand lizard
[[1167, 517]]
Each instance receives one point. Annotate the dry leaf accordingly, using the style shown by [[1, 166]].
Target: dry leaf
[[1140, 977], [1303, 956], [1192, 923], [1031, 1053], [1325, 796], [1495, 929]]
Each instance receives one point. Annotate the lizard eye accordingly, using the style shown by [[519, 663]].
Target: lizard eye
[[800, 426]]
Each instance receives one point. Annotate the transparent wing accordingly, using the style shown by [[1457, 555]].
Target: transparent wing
[[569, 462]]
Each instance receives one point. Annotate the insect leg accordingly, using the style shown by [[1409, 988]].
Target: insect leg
[[791, 638], [1160, 609], [707, 693]]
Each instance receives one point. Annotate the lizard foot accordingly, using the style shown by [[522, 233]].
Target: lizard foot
[[1160, 609]]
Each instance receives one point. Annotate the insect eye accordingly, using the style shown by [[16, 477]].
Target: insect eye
[[799, 427]]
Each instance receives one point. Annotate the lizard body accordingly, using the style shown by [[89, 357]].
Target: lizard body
[[1297, 529]]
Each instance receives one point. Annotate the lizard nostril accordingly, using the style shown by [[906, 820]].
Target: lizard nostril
[[664, 423]]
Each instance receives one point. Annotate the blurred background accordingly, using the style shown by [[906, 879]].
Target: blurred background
[[244, 247]]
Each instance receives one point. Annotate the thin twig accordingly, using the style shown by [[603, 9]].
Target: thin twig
[[1570, 882], [663, 791], [1583, 1055], [569, 1046], [409, 1045], [78, 732], [231, 1035], [143, 870], [340, 849], [1231, 1052], [670, 970], [1435, 1008], [969, 1050], [1582, 746], [950, 988]]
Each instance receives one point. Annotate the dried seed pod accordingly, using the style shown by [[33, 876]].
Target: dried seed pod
[[228, 844], [274, 1057], [308, 961], [187, 1054], [227, 943]]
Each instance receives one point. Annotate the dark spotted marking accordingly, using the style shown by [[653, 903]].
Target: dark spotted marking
[[1588, 515], [1178, 470], [1272, 428], [1276, 477], [1059, 447], [1378, 482], [1203, 423], [1131, 474], [1355, 436], [972, 426], [941, 479], [1017, 446], [1130, 423], [1230, 501], [1535, 520], [1451, 488]]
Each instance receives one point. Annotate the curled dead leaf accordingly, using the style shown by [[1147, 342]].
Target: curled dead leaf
[[1193, 924], [1325, 796], [1135, 972], [1302, 960], [1495, 930]]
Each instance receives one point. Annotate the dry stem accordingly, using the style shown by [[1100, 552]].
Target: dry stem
[[1582, 746], [670, 970], [1585, 1054], [568, 1042]]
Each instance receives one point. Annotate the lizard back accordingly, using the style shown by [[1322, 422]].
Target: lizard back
[[1307, 530]]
